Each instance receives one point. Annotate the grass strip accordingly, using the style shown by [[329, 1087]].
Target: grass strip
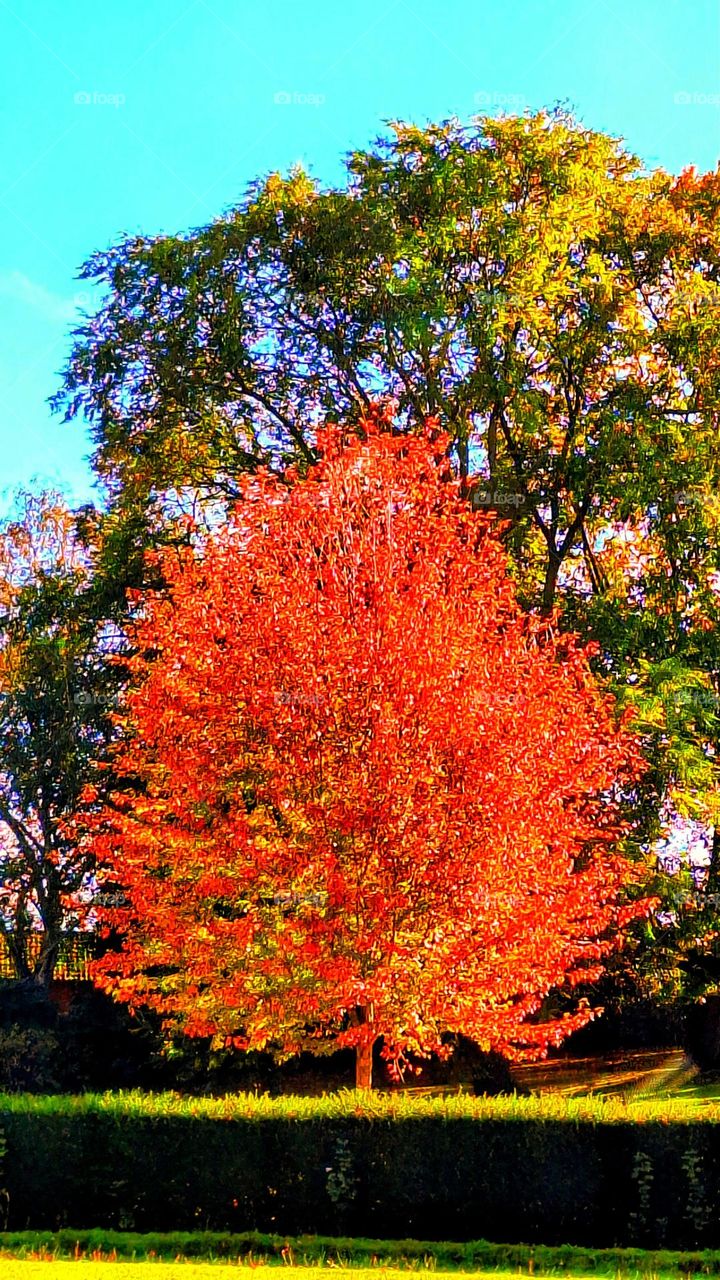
[[90, 1269], [330, 1253]]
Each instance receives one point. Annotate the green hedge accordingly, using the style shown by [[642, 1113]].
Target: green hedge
[[518, 1170]]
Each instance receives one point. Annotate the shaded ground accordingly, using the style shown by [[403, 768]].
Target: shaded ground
[[628, 1075], [641, 1073]]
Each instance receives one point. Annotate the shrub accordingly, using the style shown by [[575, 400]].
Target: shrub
[[29, 1059]]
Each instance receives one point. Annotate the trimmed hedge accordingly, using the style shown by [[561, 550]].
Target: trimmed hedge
[[519, 1170]]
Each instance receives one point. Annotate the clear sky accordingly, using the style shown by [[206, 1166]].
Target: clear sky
[[153, 115]]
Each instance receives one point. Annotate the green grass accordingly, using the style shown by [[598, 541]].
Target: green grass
[[88, 1269], [323, 1255], [14, 1269]]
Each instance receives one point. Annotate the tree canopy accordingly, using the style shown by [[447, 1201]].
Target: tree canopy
[[56, 708], [365, 795], [525, 280]]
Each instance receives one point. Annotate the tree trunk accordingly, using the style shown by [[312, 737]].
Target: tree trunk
[[362, 1016], [550, 585], [712, 884], [47, 960], [463, 452], [492, 447], [703, 1033], [364, 1065], [16, 944]]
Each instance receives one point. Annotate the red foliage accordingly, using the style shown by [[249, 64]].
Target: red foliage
[[366, 795]]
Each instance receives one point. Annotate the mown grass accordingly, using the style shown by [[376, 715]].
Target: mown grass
[[263, 1253], [14, 1269], [89, 1269]]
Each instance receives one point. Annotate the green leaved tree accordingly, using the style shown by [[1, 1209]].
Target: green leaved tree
[[57, 692], [525, 280]]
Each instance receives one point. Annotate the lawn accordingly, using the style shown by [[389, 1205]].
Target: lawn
[[107, 1255], [11, 1269]]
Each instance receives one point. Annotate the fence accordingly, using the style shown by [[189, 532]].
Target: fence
[[76, 952]]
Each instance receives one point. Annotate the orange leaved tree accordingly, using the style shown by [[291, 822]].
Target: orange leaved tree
[[364, 796]]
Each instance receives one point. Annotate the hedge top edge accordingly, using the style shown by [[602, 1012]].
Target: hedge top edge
[[349, 1104]]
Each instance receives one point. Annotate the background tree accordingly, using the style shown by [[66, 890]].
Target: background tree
[[525, 279], [56, 706], [366, 795]]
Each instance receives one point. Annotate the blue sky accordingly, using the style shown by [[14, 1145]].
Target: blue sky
[[153, 117]]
